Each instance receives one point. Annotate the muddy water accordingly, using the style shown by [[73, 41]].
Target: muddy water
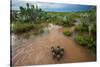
[[37, 50]]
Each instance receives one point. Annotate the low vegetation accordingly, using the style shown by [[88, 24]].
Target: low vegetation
[[28, 19], [88, 42], [87, 28], [67, 33], [22, 27]]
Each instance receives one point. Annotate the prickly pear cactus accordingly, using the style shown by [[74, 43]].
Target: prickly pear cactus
[[57, 52]]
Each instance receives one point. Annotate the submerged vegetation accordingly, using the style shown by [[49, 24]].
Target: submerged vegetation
[[33, 19]]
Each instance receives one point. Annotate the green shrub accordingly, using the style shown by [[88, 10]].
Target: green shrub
[[78, 28], [88, 42], [19, 28], [81, 28], [80, 40], [91, 43], [67, 33]]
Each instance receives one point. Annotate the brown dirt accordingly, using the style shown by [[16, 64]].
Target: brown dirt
[[39, 51]]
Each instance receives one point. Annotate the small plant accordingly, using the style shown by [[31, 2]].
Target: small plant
[[77, 28], [88, 42], [91, 43], [67, 33], [80, 40], [57, 52]]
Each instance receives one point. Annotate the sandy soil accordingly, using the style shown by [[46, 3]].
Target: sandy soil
[[39, 50]]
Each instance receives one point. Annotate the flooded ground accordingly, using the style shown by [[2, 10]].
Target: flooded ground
[[37, 49]]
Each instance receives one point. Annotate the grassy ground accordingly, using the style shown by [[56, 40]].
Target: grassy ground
[[20, 28]]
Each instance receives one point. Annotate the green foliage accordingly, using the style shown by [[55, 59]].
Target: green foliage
[[81, 28], [89, 42], [67, 33], [62, 18], [67, 21], [28, 18], [89, 26], [19, 28], [14, 16], [29, 13], [80, 40], [88, 22]]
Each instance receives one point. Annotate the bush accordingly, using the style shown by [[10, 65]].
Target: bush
[[88, 42], [81, 28], [67, 33], [77, 28], [80, 40], [19, 28], [91, 43]]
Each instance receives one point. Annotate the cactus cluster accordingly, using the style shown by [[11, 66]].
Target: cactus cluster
[[57, 52]]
